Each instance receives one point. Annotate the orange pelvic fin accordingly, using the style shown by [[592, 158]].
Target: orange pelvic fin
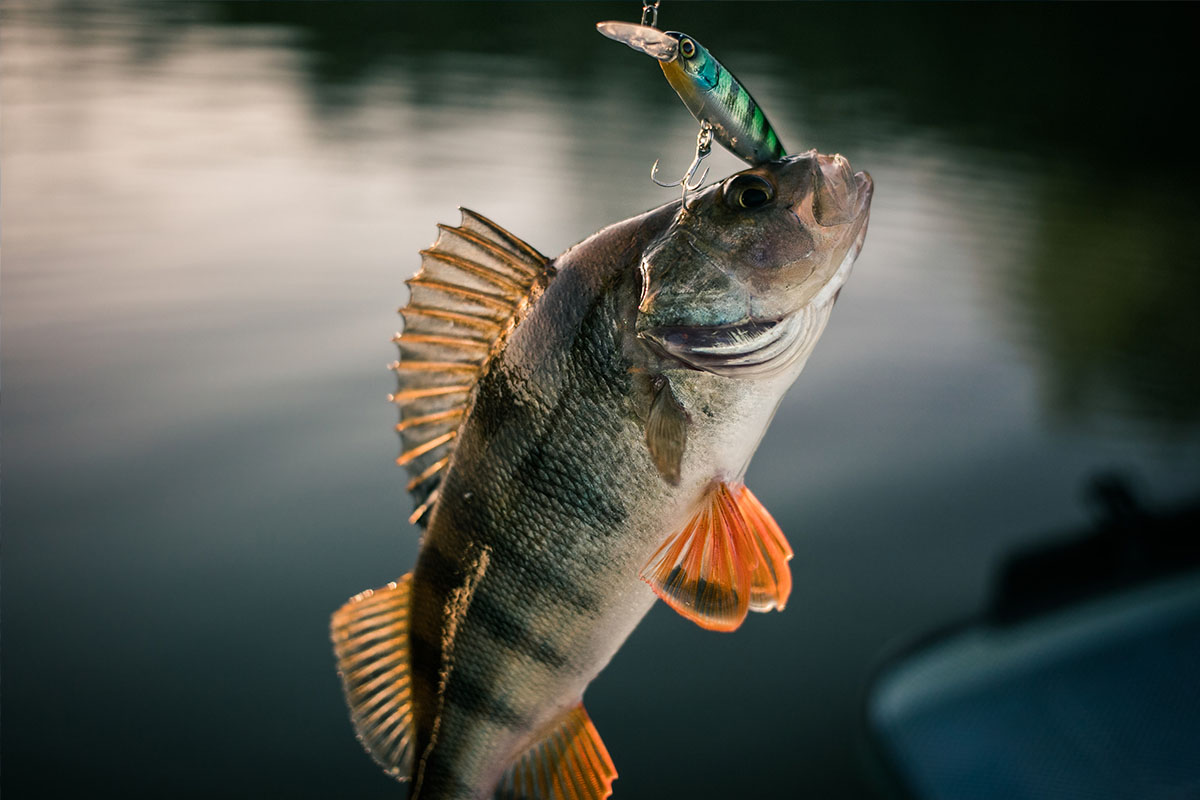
[[569, 762], [370, 640], [730, 558]]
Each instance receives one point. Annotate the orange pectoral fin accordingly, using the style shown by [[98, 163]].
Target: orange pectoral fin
[[730, 558], [771, 583]]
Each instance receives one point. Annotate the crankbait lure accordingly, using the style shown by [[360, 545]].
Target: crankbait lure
[[710, 91]]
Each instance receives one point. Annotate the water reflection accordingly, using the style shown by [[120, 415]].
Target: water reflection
[[1110, 287], [209, 213]]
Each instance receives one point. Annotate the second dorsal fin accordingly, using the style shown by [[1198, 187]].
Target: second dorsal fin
[[474, 285], [370, 639]]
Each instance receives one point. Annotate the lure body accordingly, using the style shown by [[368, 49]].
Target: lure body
[[707, 88]]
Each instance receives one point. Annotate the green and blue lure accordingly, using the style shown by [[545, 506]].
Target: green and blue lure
[[708, 89]]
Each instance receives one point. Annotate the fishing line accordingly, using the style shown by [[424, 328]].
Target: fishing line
[[650, 13]]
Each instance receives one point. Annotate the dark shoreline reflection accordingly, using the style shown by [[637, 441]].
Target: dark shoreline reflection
[[1008, 84], [1111, 291]]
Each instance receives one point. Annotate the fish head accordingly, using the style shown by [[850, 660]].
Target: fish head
[[740, 283]]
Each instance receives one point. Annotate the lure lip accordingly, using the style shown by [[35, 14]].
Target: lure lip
[[642, 38]]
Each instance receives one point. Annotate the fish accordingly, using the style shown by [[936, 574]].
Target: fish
[[576, 431], [707, 88]]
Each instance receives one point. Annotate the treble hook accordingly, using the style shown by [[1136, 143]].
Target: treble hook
[[703, 148]]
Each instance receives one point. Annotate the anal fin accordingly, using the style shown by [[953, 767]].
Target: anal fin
[[569, 762], [370, 640], [730, 558]]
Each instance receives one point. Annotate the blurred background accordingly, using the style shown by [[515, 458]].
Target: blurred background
[[209, 210]]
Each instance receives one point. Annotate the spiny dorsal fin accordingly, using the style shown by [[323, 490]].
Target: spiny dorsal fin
[[730, 558], [474, 285], [370, 640], [569, 762]]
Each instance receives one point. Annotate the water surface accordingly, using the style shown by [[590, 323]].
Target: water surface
[[209, 211]]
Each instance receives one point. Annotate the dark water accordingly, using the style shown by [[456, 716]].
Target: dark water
[[209, 210]]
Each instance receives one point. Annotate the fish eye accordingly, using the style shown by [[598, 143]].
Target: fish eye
[[687, 47], [749, 192]]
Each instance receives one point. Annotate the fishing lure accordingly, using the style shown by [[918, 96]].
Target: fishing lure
[[721, 104]]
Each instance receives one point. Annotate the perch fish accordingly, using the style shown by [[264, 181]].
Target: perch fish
[[576, 431]]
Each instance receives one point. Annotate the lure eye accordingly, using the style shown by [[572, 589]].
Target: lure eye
[[749, 192], [687, 47]]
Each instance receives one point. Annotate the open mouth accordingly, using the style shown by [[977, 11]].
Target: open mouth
[[746, 348]]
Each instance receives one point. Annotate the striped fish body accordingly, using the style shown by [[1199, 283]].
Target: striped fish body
[[549, 487], [714, 95], [614, 400], [554, 487]]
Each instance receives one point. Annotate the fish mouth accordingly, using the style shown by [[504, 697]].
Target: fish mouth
[[865, 186], [840, 195], [865, 189], [744, 349], [840, 202]]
